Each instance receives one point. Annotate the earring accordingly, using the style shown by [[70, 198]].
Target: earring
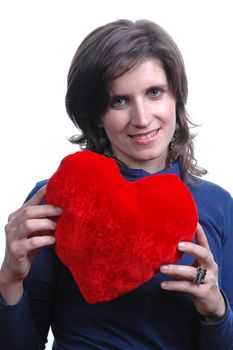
[[172, 144]]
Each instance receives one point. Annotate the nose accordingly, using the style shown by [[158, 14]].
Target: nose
[[140, 115]]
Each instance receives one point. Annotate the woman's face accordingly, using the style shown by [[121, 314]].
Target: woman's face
[[141, 118]]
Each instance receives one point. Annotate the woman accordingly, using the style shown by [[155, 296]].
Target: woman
[[127, 91]]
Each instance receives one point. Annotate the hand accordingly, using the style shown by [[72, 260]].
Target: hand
[[28, 230], [207, 297]]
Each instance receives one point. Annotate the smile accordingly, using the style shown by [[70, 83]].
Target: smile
[[144, 136]]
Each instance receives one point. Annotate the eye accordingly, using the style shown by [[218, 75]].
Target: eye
[[118, 101], [155, 92]]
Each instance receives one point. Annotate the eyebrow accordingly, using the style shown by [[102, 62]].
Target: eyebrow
[[161, 86], [158, 85]]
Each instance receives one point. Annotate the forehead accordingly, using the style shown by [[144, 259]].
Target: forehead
[[147, 73]]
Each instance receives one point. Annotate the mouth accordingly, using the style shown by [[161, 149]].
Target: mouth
[[144, 136]]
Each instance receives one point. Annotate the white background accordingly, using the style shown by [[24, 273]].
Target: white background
[[38, 41]]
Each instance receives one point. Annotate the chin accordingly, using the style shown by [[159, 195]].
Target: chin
[[153, 158]]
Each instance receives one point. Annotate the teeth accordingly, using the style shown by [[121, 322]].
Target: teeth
[[145, 136]]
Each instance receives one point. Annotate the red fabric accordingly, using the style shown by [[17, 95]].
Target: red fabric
[[113, 234]]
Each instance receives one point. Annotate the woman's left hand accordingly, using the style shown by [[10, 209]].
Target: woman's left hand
[[207, 297]]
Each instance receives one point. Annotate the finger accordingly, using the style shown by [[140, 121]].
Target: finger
[[34, 200], [36, 212], [29, 228], [184, 286], [34, 243], [37, 197], [22, 223], [179, 272], [201, 237], [36, 226], [203, 255]]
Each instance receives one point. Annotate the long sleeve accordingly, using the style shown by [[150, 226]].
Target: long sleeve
[[219, 335], [17, 328], [20, 328], [26, 324]]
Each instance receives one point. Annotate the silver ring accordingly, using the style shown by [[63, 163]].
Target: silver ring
[[200, 276]]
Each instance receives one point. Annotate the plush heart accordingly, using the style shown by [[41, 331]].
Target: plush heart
[[113, 234]]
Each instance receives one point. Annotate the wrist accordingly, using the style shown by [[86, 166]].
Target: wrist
[[11, 291], [219, 312], [221, 307]]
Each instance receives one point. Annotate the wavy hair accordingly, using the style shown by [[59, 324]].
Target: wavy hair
[[106, 54]]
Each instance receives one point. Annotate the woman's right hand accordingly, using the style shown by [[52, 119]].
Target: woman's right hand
[[28, 230]]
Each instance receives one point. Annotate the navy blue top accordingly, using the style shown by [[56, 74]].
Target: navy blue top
[[147, 318]]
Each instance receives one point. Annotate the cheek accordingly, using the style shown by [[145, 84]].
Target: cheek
[[168, 112], [113, 123]]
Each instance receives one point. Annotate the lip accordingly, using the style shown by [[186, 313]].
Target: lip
[[144, 138]]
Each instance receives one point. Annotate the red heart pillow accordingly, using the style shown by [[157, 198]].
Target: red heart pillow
[[113, 234]]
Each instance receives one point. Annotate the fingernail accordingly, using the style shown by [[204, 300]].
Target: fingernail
[[164, 268], [59, 210], [163, 285], [182, 245]]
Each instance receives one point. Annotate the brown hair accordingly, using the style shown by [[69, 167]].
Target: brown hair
[[107, 53]]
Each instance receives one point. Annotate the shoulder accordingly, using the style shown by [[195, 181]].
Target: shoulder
[[214, 204], [206, 190]]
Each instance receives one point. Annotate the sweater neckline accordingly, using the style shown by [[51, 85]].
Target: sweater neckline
[[136, 174]]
